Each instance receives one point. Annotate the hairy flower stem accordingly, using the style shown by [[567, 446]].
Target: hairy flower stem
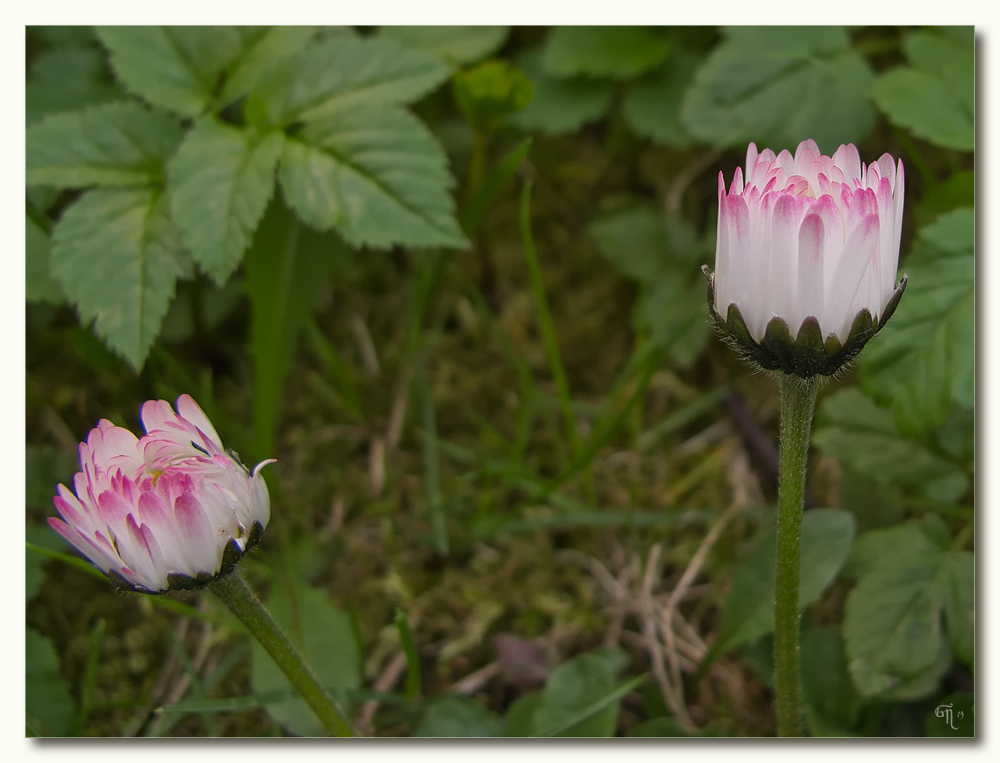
[[233, 591], [798, 399]]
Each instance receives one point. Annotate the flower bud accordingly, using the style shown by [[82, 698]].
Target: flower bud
[[169, 510], [806, 257]]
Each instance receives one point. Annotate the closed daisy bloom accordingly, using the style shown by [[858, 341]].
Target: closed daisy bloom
[[806, 256], [170, 509]]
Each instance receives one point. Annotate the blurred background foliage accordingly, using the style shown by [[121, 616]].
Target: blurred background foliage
[[449, 278]]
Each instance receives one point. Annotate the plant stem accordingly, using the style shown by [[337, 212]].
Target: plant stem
[[798, 399], [233, 591]]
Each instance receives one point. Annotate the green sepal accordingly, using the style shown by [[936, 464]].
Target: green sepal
[[254, 536], [808, 354], [231, 556], [890, 306], [178, 582], [779, 343]]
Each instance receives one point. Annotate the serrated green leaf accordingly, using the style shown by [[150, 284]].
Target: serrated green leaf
[[286, 269], [326, 639], [934, 97], [852, 428], [560, 106], [924, 358], [748, 612], [377, 176], [778, 86], [39, 285], [177, 68], [892, 625], [830, 700], [341, 76], [652, 106], [49, 706], [960, 604], [262, 48], [459, 717], [220, 182], [118, 144], [116, 254], [573, 686], [909, 541], [67, 79], [603, 51], [451, 44]]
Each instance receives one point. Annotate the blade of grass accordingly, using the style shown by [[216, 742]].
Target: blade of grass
[[412, 658], [683, 416], [470, 217], [90, 675], [547, 327], [593, 709], [85, 566]]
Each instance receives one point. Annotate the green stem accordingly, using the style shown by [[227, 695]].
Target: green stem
[[798, 398], [233, 591]]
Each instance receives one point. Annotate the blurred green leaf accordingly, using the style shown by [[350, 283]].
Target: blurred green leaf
[[661, 253], [39, 285], [603, 51], [378, 176], [911, 540], [521, 714], [452, 716], [326, 639], [959, 190], [49, 706], [490, 92], [960, 605], [67, 79], [892, 627], [340, 77], [560, 106], [220, 182], [451, 44], [117, 144], [44, 536], [778, 86], [573, 686], [935, 96], [748, 611], [262, 48], [636, 241], [286, 269], [865, 437], [178, 68], [831, 703], [924, 358], [954, 716], [116, 254], [652, 106]]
